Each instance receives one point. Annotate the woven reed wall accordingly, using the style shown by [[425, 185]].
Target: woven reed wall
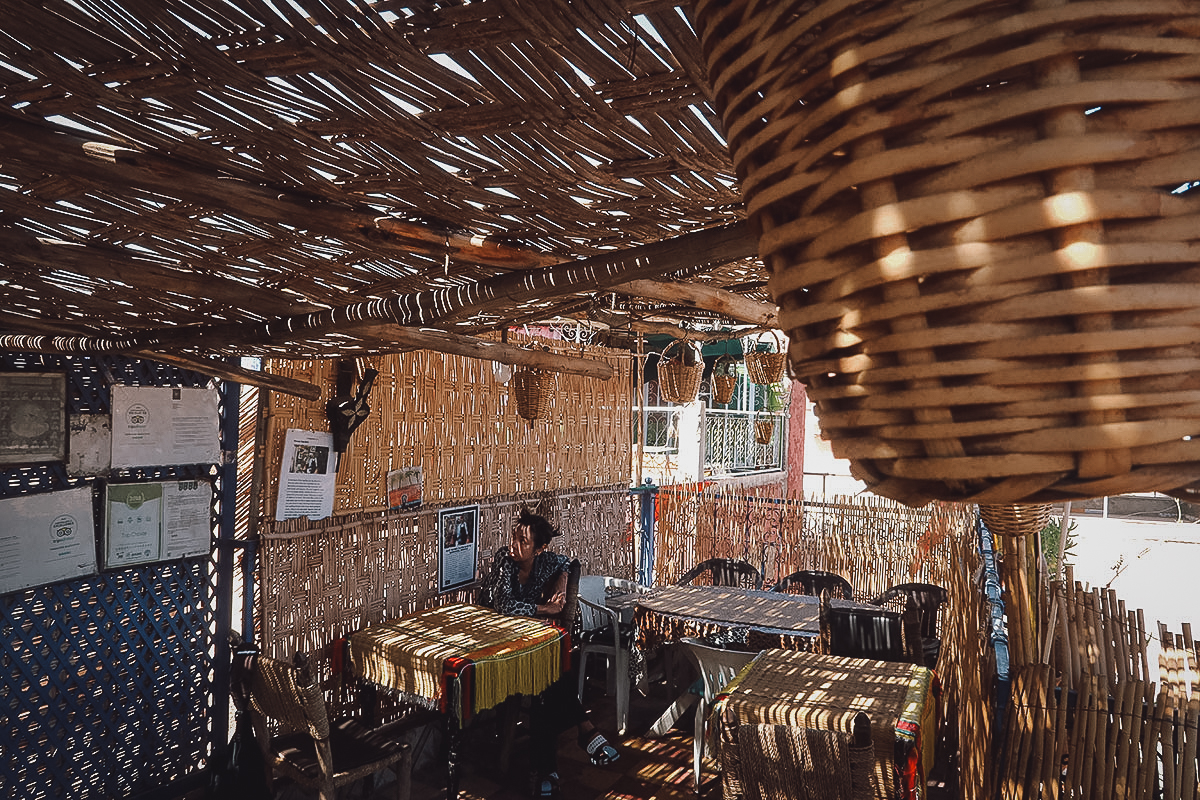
[[322, 580], [873, 541], [1122, 738], [451, 416]]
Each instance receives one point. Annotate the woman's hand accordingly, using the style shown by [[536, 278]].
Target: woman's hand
[[554, 605]]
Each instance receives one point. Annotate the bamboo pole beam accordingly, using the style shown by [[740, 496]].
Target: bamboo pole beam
[[205, 366], [229, 372], [417, 339], [705, 298], [705, 248], [650, 327]]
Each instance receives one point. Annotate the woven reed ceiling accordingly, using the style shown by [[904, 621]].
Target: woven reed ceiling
[[280, 177]]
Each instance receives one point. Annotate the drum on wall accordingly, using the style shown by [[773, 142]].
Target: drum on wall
[[978, 234]]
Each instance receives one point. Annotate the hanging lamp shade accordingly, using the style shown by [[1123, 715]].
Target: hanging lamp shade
[[969, 215]]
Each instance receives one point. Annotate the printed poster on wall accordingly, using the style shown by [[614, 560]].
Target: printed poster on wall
[[458, 546], [46, 538], [307, 476], [133, 533], [156, 425], [149, 522], [404, 487]]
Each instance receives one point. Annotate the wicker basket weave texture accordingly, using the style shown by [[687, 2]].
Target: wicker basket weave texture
[[990, 291], [1019, 519], [532, 390], [723, 388], [680, 373]]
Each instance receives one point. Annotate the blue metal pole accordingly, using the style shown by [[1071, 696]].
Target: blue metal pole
[[647, 493]]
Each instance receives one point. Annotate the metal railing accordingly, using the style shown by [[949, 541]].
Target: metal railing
[[731, 443]]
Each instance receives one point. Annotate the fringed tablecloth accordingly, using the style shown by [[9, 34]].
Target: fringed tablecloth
[[466, 657], [786, 687]]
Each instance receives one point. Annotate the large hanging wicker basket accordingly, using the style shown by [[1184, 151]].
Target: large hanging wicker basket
[[1015, 520], [766, 367], [724, 379], [679, 372], [990, 291], [532, 390]]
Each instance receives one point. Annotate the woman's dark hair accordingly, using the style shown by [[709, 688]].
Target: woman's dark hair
[[539, 526]]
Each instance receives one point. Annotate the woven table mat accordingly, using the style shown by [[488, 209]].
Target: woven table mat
[[732, 606]]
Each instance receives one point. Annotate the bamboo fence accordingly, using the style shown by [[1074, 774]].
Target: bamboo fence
[[874, 541], [1086, 716], [321, 580]]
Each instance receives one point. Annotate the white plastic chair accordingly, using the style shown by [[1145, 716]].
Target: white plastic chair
[[603, 624], [717, 668]]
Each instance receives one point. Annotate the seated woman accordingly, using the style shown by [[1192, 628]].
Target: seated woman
[[529, 580]]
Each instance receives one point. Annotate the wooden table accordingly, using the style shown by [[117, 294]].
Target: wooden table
[[752, 618], [745, 619], [464, 658], [817, 691]]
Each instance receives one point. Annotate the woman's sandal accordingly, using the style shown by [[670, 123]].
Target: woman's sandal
[[546, 785], [598, 749]]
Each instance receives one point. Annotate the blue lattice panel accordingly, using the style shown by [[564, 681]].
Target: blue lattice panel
[[107, 682]]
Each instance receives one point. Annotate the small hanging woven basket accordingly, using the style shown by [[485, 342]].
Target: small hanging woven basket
[[971, 218], [765, 367], [1015, 520], [679, 374], [764, 429], [724, 379], [532, 390]]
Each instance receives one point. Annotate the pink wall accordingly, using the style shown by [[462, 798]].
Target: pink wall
[[796, 436]]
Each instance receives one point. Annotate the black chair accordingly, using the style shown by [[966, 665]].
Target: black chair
[[724, 572], [815, 581], [927, 600], [863, 633]]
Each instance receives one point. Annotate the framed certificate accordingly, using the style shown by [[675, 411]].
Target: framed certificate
[[33, 417]]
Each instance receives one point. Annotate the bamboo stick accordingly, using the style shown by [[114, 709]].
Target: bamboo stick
[[1167, 744], [1188, 781], [1055, 787], [1088, 741], [1079, 730], [1155, 710], [1124, 716], [1039, 719]]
